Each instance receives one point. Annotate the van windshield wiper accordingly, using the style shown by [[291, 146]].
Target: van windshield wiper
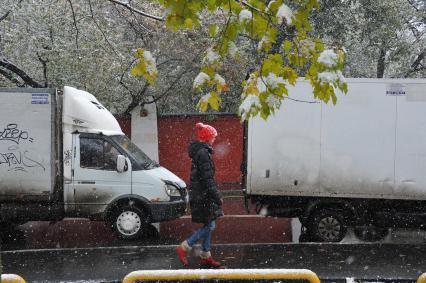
[[151, 164]]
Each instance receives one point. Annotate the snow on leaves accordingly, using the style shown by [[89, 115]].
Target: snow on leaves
[[215, 84], [245, 16], [286, 51], [145, 66], [284, 12], [328, 58]]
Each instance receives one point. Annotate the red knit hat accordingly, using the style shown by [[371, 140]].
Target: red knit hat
[[205, 132]]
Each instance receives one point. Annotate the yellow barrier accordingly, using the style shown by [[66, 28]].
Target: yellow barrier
[[11, 278], [422, 278], [224, 274]]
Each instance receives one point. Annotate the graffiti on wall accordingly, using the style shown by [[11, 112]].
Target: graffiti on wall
[[14, 158], [67, 157]]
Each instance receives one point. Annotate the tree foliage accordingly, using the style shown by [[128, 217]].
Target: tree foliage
[[235, 56], [383, 38], [91, 46], [285, 51]]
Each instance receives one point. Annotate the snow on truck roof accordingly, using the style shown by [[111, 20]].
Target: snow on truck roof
[[83, 112]]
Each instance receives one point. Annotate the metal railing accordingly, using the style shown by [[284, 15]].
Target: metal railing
[[11, 278], [222, 274], [422, 278]]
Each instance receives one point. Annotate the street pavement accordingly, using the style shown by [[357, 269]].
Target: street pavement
[[108, 260], [329, 261]]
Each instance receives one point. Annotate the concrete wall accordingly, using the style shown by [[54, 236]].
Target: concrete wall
[[144, 129]]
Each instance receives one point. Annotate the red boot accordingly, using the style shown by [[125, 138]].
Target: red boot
[[207, 261], [181, 251]]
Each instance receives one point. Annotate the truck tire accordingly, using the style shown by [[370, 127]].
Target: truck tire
[[129, 222], [327, 225], [370, 233]]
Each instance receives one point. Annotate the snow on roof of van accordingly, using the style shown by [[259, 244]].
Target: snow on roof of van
[[83, 112]]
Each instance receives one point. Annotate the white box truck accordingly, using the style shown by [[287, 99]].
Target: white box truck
[[64, 155], [360, 163]]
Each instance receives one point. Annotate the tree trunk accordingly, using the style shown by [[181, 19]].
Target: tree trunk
[[381, 63]]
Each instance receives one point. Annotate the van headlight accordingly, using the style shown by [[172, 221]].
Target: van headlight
[[172, 191]]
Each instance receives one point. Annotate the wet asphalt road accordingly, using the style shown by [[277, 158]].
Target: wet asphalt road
[[328, 261], [110, 260]]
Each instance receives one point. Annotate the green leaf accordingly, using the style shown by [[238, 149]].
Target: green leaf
[[287, 45], [214, 100], [189, 24], [213, 30]]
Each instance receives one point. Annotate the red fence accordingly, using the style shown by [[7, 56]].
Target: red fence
[[176, 132], [126, 125]]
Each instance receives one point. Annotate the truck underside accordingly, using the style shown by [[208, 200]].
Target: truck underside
[[320, 216]]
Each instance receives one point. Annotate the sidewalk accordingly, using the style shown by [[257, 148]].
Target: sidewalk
[[236, 226]]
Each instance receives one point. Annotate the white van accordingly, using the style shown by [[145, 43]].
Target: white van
[[66, 156]]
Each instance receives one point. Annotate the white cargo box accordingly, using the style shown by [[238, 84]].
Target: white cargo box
[[27, 143], [372, 144]]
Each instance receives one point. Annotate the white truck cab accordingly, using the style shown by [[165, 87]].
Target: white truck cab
[[104, 175]]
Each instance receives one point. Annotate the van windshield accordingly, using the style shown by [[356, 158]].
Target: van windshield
[[132, 150]]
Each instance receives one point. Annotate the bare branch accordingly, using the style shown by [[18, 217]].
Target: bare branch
[[8, 12], [418, 60], [249, 6], [19, 72], [75, 23], [9, 76], [136, 98], [99, 28], [133, 25], [5, 15], [44, 63], [133, 9], [417, 64]]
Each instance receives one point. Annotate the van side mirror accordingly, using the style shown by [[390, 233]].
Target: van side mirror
[[121, 164]]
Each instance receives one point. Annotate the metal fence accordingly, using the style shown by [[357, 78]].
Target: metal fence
[[221, 274]]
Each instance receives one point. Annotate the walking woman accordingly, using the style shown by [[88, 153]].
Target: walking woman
[[204, 198]]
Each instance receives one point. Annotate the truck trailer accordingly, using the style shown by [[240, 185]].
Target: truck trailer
[[360, 163], [65, 155]]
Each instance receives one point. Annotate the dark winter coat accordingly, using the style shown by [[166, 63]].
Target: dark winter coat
[[204, 198]]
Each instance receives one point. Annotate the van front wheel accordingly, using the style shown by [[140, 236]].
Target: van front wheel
[[129, 223]]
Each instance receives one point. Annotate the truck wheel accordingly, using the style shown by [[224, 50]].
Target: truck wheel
[[370, 233], [328, 226], [129, 223]]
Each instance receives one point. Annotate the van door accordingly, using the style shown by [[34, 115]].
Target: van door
[[96, 181]]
